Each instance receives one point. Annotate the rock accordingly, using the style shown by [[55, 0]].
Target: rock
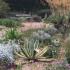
[[32, 25]]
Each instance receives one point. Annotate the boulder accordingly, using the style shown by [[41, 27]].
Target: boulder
[[32, 25]]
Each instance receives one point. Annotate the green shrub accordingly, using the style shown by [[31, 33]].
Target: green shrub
[[53, 19], [62, 23], [12, 34], [9, 22]]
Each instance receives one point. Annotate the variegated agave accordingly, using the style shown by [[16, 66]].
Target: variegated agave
[[31, 50]]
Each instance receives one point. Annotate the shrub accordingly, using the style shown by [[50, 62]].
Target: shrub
[[50, 29], [7, 52], [45, 38], [60, 22], [9, 22], [12, 34], [54, 19], [41, 35], [53, 49]]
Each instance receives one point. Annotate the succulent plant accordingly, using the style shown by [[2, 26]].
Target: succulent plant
[[51, 30], [41, 35], [31, 50]]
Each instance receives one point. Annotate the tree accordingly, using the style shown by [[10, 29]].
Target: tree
[[59, 5], [3, 8]]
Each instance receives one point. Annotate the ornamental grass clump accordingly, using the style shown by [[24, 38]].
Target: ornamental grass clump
[[12, 34], [9, 22]]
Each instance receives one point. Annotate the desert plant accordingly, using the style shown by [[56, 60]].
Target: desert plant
[[12, 34], [41, 35], [7, 53], [54, 18], [9, 22], [45, 38], [31, 50]]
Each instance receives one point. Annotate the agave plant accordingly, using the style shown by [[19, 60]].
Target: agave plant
[[31, 50]]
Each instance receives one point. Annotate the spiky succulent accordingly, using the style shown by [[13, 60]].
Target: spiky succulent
[[31, 50]]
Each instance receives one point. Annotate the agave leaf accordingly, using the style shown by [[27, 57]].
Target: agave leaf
[[42, 52], [25, 51], [28, 48], [36, 44], [31, 48], [19, 54]]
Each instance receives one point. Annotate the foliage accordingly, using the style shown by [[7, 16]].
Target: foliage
[[61, 23], [3, 7], [6, 52], [12, 34], [31, 50], [54, 18], [9, 22], [29, 32], [51, 30], [45, 38], [41, 35], [67, 49]]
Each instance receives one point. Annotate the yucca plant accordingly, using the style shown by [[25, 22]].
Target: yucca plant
[[31, 50]]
